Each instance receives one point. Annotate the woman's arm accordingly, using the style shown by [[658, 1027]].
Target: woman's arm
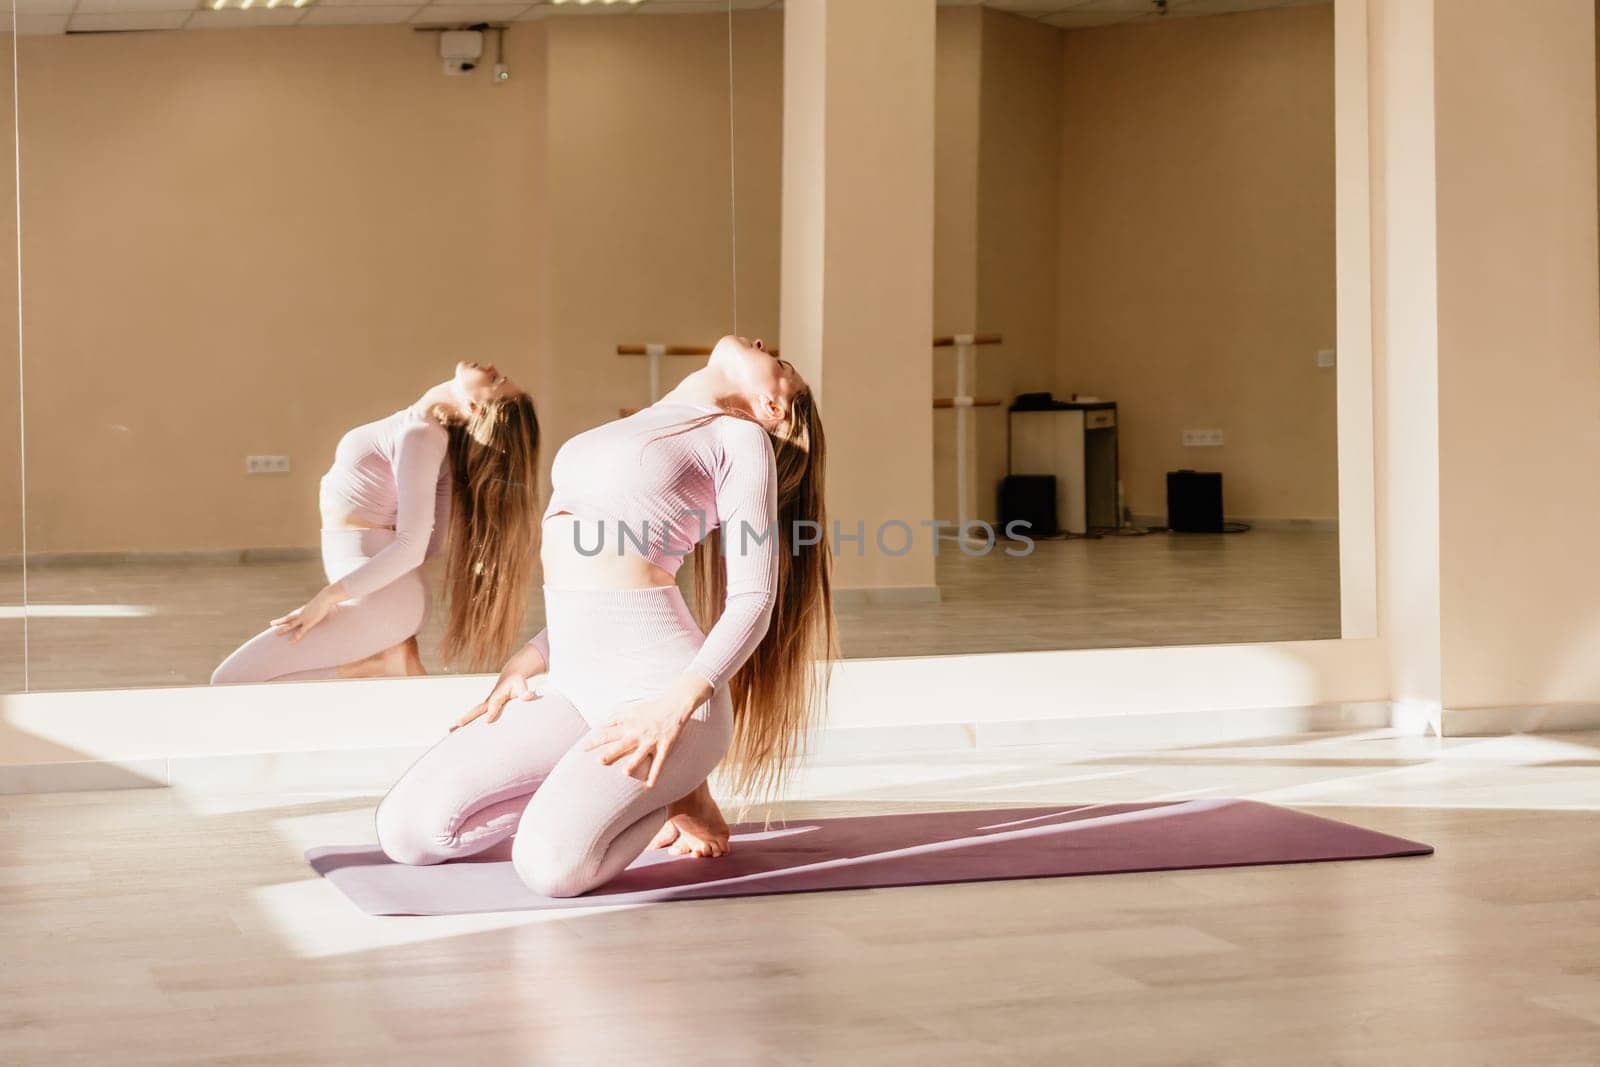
[[747, 513], [418, 456], [525, 663], [540, 643]]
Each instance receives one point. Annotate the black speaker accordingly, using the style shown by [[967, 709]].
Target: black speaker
[[1029, 498], [1194, 501]]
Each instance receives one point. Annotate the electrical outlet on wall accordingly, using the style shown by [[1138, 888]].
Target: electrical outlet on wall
[[266, 464], [1202, 438]]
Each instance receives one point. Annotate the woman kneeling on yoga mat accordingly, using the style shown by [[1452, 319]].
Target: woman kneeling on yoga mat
[[463, 459], [639, 706]]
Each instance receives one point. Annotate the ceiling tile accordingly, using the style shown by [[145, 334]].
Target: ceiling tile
[[1082, 20], [234, 19], [325, 14], [682, 7], [1036, 8], [453, 14], [1228, 7], [41, 24], [1128, 7], [118, 7], [130, 20], [43, 7]]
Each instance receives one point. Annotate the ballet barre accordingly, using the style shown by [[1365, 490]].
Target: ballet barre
[[966, 346], [655, 353]]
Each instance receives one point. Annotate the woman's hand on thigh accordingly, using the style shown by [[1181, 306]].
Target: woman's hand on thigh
[[646, 731], [508, 687], [299, 622]]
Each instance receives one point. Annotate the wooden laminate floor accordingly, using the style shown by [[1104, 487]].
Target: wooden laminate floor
[[154, 624], [169, 927]]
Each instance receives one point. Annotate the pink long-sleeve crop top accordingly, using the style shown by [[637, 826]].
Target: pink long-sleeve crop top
[[392, 472], [659, 489]]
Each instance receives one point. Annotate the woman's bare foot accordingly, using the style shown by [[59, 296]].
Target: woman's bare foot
[[396, 661], [695, 826]]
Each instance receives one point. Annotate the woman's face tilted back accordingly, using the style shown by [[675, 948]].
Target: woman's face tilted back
[[767, 383], [476, 384]]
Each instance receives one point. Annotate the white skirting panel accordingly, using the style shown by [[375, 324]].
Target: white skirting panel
[[117, 738]]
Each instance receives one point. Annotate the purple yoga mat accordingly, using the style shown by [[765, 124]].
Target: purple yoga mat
[[808, 855]]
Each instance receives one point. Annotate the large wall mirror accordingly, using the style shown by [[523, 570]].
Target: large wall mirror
[[248, 230]]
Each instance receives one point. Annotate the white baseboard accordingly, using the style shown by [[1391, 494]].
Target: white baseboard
[[1256, 522], [189, 555], [375, 768], [1530, 719], [323, 731]]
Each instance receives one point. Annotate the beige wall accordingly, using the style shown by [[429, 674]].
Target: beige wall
[[1197, 250], [1405, 348], [1519, 351]]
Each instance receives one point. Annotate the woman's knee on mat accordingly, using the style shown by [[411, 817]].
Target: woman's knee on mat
[[410, 834], [554, 868]]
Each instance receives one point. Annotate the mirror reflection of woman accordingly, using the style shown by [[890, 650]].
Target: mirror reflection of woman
[[639, 705], [458, 467]]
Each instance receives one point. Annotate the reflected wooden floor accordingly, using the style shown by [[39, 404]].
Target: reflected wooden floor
[[1267, 585], [167, 927]]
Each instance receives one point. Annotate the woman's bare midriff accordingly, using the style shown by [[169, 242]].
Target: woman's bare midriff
[[567, 568], [338, 521]]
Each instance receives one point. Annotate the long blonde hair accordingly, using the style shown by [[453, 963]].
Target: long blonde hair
[[494, 531], [780, 694]]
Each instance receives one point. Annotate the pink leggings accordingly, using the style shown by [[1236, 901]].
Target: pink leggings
[[359, 628], [577, 823]]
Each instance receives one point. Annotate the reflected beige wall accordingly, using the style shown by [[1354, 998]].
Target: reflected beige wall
[[758, 168], [996, 185], [1146, 214], [1018, 228], [256, 331], [10, 408], [638, 194], [247, 242], [310, 226], [958, 95], [858, 245], [1197, 245]]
